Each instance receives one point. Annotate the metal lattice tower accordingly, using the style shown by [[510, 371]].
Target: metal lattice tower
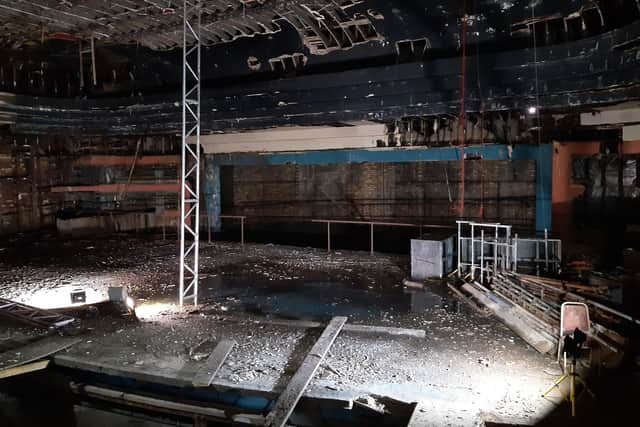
[[190, 177]]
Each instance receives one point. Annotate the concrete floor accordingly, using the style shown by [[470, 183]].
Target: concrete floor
[[467, 368]]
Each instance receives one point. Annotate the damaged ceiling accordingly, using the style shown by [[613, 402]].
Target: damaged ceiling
[[310, 62], [322, 25], [157, 24]]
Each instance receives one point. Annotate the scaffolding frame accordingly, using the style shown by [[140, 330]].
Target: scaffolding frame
[[490, 248], [190, 167]]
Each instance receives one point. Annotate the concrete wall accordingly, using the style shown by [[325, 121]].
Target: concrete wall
[[566, 190], [45, 177], [411, 191], [28, 169]]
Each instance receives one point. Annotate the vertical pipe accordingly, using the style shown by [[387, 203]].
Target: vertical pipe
[[537, 258], [515, 254], [481, 256], [495, 253], [546, 250], [473, 259], [328, 236], [371, 238], [459, 250], [81, 64], [507, 250], [463, 117], [559, 263], [209, 227], [242, 231], [93, 62]]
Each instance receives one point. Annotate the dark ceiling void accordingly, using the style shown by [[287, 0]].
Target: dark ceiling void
[[573, 76], [135, 41], [310, 62]]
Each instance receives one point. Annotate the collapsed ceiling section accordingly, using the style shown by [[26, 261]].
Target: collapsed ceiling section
[[324, 25]]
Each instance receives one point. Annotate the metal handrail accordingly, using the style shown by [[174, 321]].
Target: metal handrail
[[371, 225]]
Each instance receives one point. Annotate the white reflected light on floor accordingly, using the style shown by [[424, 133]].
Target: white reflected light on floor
[[151, 310], [60, 297]]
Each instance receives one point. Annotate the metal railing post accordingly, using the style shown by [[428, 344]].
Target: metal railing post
[[371, 238], [481, 256], [472, 268], [242, 231], [537, 258], [559, 263], [546, 250], [459, 249], [495, 253], [507, 250], [328, 236], [515, 254]]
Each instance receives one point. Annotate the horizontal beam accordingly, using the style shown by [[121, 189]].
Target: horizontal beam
[[360, 135], [118, 188], [127, 160], [626, 113], [380, 155]]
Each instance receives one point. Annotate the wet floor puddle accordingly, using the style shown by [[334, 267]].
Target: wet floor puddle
[[299, 299]]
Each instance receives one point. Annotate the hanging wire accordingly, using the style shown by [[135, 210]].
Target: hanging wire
[[535, 69], [479, 84], [462, 117]]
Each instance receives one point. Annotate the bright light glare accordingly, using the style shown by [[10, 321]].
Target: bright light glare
[[60, 297], [151, 310], [131, 304], [532, 110]]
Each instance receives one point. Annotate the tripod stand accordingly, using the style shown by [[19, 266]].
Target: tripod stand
[[573, 377]]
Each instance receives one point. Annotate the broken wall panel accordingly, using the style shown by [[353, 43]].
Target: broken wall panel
[[418, 191], [38, 172], [27, 170]]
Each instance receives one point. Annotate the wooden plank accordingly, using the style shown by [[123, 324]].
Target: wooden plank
[[146, 402], [289, 398], [370, 329], [468, 301], [204, 376], [24, 369], [510, 316]]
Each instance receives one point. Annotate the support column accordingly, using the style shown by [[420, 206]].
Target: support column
[[190, 170], [212, 194], [543, 156], [544, 162]]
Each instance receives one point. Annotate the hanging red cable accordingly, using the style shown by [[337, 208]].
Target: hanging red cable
[[462, 118], [481, 213]]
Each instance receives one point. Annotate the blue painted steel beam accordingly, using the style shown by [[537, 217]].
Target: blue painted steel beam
[[541, 154]]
